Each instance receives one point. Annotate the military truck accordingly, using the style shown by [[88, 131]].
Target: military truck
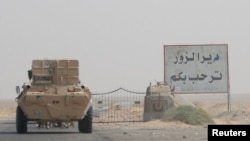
[[54, 97]]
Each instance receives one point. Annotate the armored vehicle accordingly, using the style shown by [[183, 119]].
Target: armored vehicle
[[158, 99], [54, 97]]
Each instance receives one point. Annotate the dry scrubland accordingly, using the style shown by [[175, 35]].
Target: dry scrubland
[[216, 105], [7, 108]]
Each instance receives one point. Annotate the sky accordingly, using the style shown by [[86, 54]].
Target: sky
[[119, 43]]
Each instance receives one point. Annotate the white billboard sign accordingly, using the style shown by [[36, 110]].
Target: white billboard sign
[[197, 68]]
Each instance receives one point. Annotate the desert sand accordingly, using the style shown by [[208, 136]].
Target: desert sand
[[218, 106], [235, 110]]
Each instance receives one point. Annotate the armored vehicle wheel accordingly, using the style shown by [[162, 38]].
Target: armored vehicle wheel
[[21, 121], [85, 124]]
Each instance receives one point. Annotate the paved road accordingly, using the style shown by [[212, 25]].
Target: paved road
[[104, 132], [8, 133]]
